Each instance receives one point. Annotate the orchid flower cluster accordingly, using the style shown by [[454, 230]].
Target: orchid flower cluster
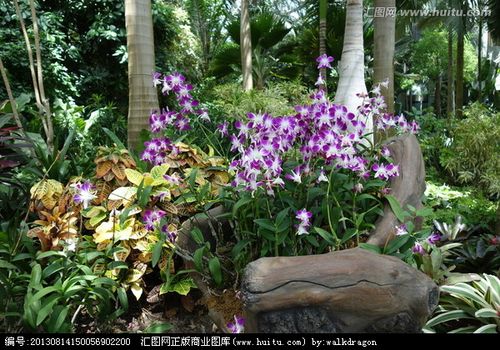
[[419, 248], [156, 149], [321, 131], [84, 193]]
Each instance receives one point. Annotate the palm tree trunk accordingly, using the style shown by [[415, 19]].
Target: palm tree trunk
[[479, 51], [323, 5], [246, 46], [352, 64], [450, 105], [143, 97], [437, 96], [383, 59], [459, 96]]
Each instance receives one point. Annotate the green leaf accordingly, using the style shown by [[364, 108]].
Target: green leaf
[[156, 255], [396, 207], [424, 212], [122, 296], [240, 203], [266, 224], [486, 313], [465, 291], [134, 176], [282, 215], [97, 219], [215, 270], [43, 292], [161, 327], [371, 247], [159, 170], [237, 249], [117, 265], [327, 236], [183, 286], [6, 265], [52, 268], [447, 316], [198, 258], [143, 196], [49, 254], [45, 311], [489, 328], [312, 240], [57, 318], [36, 276], [114, 138], [351, 232], [192, 177], [396, 243], [197, 235]]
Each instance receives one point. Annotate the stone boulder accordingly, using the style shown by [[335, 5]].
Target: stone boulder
[[347, 291]]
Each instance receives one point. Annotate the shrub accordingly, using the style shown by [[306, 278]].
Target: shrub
[[472, 157]]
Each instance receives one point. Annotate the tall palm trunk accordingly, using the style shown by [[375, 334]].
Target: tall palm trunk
[[479, 52], [143, 97], [323, 5], [246, 46], [437, 96], [459, 96], [450, 102], [383, 59], [352, 64]]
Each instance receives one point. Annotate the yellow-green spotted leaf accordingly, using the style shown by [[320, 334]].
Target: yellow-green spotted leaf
[[134, 176]]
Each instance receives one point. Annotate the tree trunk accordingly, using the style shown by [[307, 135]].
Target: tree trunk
[[450, 105], [437, 97], [383, 58], [352, 64], [322, 38], [459, 97], [246, 46], [479, 49], [143, 97]]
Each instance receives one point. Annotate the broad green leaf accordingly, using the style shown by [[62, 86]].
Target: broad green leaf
[[371, 247], [465, 291], [123, 193], [161, 327], [122, 296], [312, 240], [159, 170], [240, 203], [396, 207], [183, 286], [197, 235], [215, 270], [327, 236], [156, 255], [424, 212], [198, 258], [58, 317], [266, 224], [6, 265], [95, 220], [486, 313], [50, 253], [134, 176], [117, 265], [46, 309], [447, 316], [43, 292], [489, 328]]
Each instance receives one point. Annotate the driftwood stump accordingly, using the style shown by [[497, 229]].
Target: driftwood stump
[[407, 188], [352, 290]]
